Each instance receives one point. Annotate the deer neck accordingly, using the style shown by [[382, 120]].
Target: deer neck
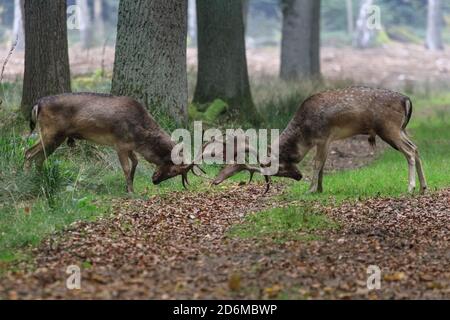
[[157, 148], [292, 146]]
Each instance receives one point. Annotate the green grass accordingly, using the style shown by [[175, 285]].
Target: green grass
[[282, 224]]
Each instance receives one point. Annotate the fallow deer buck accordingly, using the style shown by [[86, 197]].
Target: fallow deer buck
[[339, 114], [119, 122]]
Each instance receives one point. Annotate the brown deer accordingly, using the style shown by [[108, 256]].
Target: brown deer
[[119, 122], [339, 114]]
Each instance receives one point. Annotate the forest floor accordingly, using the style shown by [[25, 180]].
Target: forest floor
[[180, 247], [204, 245]]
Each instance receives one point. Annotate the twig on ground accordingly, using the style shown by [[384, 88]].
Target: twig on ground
[[6, 62]]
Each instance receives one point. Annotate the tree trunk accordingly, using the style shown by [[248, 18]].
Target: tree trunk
[[350, 21], [364, 35], [192, 22], [434, 26], [150, 62], [245, 11], [98, 18], [300, 46], [18, 26], [47, 70], [222, 62], [85, 23]]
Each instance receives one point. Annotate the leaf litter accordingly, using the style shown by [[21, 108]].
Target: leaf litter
[[178, 248]]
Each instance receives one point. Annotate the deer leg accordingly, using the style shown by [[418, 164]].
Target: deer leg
[[420, 173], [418, 162], [123, 158], [30, 154], [319, 186], [409, 150], [134, 163], [403, 145], [319, 164], [42, 150]]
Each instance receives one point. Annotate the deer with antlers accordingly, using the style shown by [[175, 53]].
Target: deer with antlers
[[339, 114], [118, 122]]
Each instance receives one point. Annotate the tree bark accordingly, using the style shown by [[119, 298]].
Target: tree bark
[[150, 62], [18, 27], [300, 46], [85, 23], [47, 70], [222, 62], [364, 35], [434, 25]]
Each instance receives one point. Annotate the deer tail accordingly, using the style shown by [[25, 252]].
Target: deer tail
[[407, 104], [33, 118]]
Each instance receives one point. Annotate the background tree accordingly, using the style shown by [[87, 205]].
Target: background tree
[[434, 25], [350, 22], [47, 69], [300, 45], [98, 18], [222, 62], [150, 62], [192, 22], [18, 25], [85, 23], [364, 35]]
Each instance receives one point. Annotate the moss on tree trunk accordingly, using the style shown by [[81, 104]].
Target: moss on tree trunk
[[222, 62]]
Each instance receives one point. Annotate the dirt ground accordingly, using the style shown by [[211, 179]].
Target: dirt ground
[[397, 66]]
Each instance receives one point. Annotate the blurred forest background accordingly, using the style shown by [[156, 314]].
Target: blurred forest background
[[396, 55]]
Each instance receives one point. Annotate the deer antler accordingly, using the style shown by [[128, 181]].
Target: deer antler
[[191, 168], [233, 169]]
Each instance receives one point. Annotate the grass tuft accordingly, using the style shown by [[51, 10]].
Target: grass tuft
[[283, 224]]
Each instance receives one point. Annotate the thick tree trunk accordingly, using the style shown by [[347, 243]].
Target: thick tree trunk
[[222, 62], [364, 35], [85, 23], [47, 69], [300, 47], [18, 26], [150, 63], [434, 27]]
